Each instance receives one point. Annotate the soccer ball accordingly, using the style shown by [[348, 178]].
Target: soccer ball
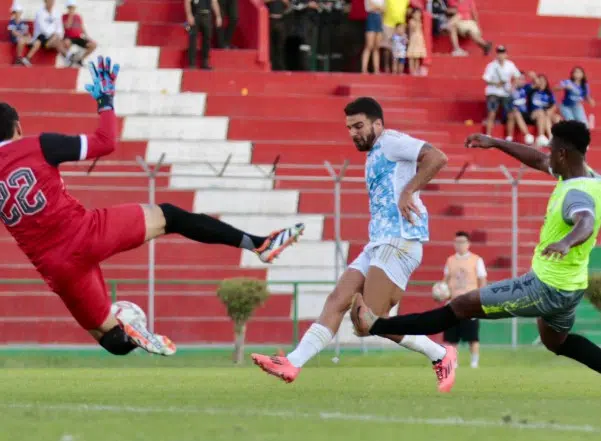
[[128, 312], [441, 292]]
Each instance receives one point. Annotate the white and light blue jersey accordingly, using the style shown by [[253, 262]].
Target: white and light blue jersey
[[390, 165]]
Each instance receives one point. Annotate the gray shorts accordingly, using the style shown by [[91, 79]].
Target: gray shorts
[[528, 296]]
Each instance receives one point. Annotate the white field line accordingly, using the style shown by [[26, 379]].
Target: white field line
[[323, 416]]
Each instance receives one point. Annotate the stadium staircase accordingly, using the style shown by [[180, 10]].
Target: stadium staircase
[[254, 117]]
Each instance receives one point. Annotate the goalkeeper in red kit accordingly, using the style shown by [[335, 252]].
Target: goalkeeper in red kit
[[66, 242]]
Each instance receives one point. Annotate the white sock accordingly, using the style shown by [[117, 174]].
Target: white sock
[[475, 359], [423, 345], [313, 342]]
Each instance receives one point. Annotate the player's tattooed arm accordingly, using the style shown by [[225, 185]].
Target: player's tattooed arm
[[429, 162], [529, 156]]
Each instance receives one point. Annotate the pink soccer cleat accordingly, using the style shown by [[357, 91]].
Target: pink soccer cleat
[[445, 370], [278, 241], [277, 365]]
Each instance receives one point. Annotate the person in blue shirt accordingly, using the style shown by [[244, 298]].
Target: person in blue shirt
[[519, 113], [542, 109], [18, 31], [576, 91]]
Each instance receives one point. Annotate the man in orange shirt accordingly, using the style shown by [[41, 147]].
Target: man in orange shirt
[[464, 272]]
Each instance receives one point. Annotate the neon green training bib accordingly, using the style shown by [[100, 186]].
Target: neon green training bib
[[571, 272]]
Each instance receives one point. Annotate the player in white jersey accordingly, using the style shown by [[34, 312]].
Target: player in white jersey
[[397, 167]]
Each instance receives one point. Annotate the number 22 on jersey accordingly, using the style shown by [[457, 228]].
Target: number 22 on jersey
[[17, 188]]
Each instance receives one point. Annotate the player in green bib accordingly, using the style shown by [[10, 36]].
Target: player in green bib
[[554, 286]]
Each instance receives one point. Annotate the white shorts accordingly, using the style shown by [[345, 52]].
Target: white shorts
[[397, 257]]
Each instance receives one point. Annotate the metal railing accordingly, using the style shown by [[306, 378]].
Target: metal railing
[[337, 175]]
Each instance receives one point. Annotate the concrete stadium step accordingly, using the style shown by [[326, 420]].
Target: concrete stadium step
[[174, 128], [303, 254], [151, 12], [436, 254], [237, 59], [66, 331], [76, 175], [63, 123], [139, 80], [303, 108], [118, 193], [438, 203], [556, 68], [164, 35], [235, 176], [441, 228], [107, 33], [167, 304], [280, 202], [130, 58], [261, 224], [97, 10], [140, 272], [530, 44], [126, 103], [512, 5], [261, 129], [37, 78], [510, 21], [214, 152]]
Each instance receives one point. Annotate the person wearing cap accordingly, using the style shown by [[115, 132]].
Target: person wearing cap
[[499, 76], [75, 33], [464, 23], [19, 36], [48, 29]]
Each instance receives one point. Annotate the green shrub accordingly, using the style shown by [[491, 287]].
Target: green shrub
[[241, 297]]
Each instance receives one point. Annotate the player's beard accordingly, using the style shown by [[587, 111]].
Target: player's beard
[[365, 143]]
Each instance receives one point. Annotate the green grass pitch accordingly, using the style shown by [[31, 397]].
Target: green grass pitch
[[526, 394]]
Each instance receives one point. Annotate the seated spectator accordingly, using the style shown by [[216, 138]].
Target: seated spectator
[[373, 35], [542, 110], [440, 17], [576, 90], [394, 14], [399, 48], [48, 29], [75, 34], [499, 75], [519, 114], [416, 50], [19, 36], [464, 23]]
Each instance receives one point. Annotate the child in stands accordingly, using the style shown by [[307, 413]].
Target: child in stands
[[399, 48], [20, 36], [416, 50], [75, 34]]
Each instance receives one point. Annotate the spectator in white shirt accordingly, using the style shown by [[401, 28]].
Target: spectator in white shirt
[[499, 75], [48, 28]]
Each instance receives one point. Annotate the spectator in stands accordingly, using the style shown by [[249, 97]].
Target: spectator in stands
[[229, 9], [373, 35], [75, 34], [277, 31], [499, 75], [542, 110], [576, 91], [416, 50], [306, 27], [519, 114], [395, 13], [440, 17], [399, 48], [464, 23], [48, 29], [199, 19], [19, 36]]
